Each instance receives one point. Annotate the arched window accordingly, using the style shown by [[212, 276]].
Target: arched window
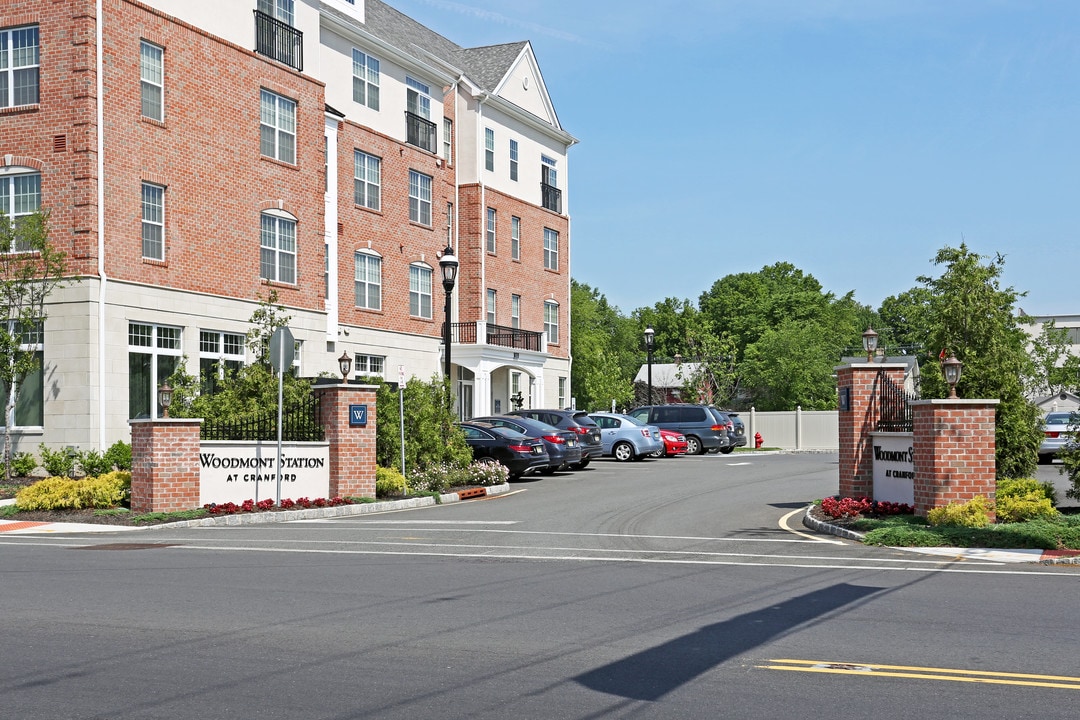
[[277, 247]]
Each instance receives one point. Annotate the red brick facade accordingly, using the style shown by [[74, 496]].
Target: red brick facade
[[164, 465], [352, 448], [954, 452], [859, 383]]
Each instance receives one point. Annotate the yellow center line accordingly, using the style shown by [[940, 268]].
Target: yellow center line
[[926, 673]]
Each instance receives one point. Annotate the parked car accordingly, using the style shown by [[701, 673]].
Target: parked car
[[520, 454], [626, 438], [575, 420], [704, 431], [674, 443], [735, 429], [1056, 434], [562, 446]]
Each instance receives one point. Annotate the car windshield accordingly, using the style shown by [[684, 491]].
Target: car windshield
[[633, 420], [1059, 418]]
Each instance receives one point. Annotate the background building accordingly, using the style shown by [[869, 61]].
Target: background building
[[196, 156]]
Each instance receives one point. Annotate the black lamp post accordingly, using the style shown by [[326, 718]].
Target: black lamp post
[[344, 364], [449, 265], [869, 343], [649, 340]]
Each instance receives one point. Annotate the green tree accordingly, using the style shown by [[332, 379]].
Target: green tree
[[1056, 368], [431, 437], [30, 269], [792, 365], [969, 314], [902, 320], [714, 378], [605, 348]]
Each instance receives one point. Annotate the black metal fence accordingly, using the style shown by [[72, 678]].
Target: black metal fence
[[299, 423], [279, 41], [895, 404]]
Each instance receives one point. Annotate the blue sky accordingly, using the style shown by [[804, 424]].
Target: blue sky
[[851, 138]]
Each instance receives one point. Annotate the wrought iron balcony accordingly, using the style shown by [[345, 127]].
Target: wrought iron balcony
[[279, 41], [552, 197], [420, 132], [466, 333]]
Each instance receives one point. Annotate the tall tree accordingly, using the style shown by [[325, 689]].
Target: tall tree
[[969, 314], [30, 269], [604, 346]]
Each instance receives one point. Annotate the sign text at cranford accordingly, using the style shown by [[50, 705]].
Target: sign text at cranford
[[230, 471], [894, 467]]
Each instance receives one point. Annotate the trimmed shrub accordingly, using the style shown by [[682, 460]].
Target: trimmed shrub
[[975, 513], [23, 464], [61, 493], [93, 463], [1021, 509], [487, 474], [58, 463], [119, 455], [1023, 487], [388, 482]]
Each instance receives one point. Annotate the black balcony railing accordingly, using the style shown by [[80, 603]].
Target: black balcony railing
[[465, 333], [420, 132], [551, 197], [279, 41]]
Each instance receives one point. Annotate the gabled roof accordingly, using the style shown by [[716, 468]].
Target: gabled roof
[[667, 375]]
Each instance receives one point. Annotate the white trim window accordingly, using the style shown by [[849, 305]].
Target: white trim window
[[153, 221], [30, 400], [491, 305], [154, 353], [448, 140], [420, 290], [277, 247], [20, 66], [418, 98], [551, 321], [277, 126], [419, 198], [491, 230], [221, 355], [549, 174], [562, 392], [280, 9], [369, 365], [515, 237], [367, 180], [551, 249], [20, 196], [365, 70], [152, 80], [368, 279], [515, 311], [513, 160], [489, 149]]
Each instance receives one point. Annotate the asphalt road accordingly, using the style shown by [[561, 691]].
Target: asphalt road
[[679, 588]]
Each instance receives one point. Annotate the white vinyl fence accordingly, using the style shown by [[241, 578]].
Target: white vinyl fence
[[796, 429]]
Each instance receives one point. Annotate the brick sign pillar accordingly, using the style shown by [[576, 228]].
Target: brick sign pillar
[[351, 438], [860, 410], [954, 448], [164, 465]]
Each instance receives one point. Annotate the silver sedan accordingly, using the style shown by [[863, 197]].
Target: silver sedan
[[626, 438]]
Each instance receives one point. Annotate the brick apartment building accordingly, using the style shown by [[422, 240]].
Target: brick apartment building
[[196, 155]]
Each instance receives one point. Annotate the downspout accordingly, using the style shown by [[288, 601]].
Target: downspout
[[102, 279]]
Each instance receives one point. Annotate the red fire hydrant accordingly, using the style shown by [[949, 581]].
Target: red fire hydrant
[[758, 440]]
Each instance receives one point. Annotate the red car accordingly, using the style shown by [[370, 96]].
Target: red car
[[674, 444]]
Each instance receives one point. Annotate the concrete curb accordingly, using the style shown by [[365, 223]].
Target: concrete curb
[[263, 518]]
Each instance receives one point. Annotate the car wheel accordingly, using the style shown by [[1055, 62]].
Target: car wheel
[[547, 471], [693, 446], [581, 465], [623, 451], [728, 450]]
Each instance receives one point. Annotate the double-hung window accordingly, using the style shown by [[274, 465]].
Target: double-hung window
[[369, 365], [515, 238], [367, 180], [153, 221], [419, 198], [221, 355], [420, 290], [491, 230], [280, 9], [365, 70], [551, 321], [30, 391], [491, 303], [277, 126], [515, 311], [20, 66], [277, 248], [448, 140], [489, 149], [513, 159], [551, 249], [152, 80], [20, 195], [368, 280], [154, 353]]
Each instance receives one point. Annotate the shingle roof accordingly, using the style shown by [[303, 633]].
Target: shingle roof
[[485, 66]]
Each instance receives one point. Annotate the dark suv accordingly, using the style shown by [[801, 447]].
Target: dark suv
[[735, 429], [576, 420], [704, 427]]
